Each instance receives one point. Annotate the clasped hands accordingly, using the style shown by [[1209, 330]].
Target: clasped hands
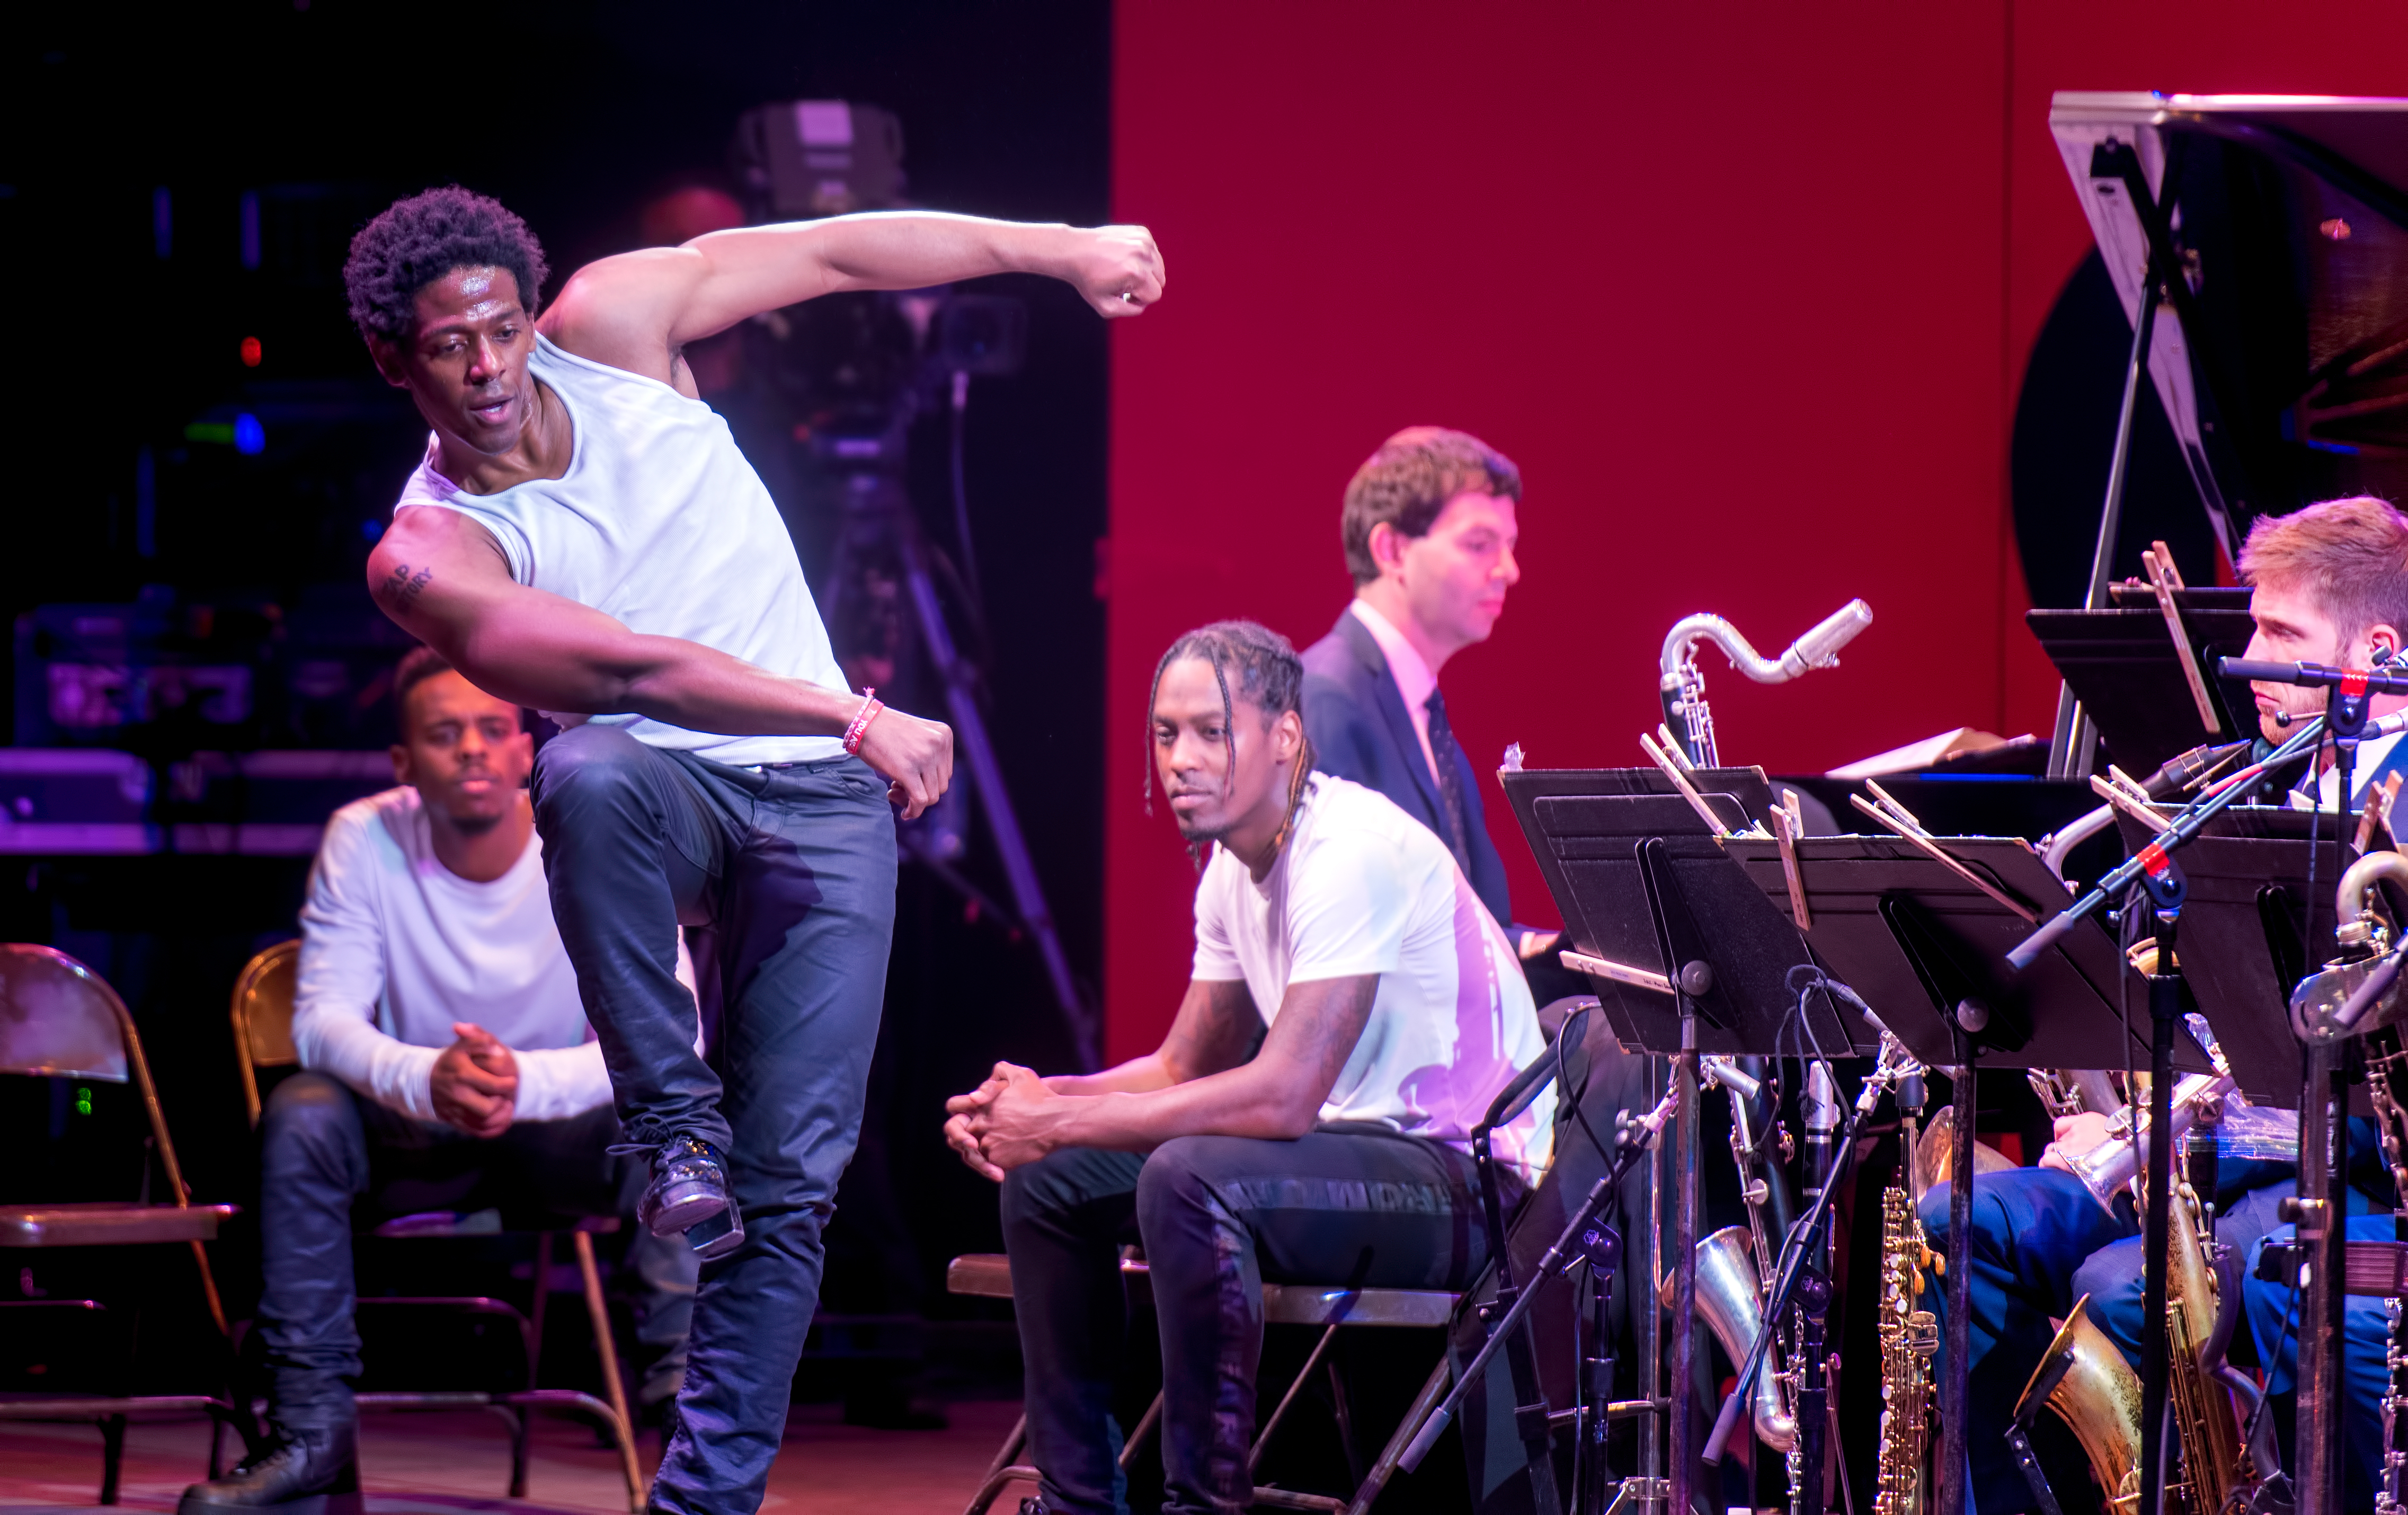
[[1004, 1123], [476, 1082]]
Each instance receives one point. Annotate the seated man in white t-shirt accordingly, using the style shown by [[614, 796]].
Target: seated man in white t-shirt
[[448, 1064], [1332, 1148]]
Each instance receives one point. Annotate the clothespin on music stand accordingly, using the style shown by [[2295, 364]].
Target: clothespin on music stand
[[2163, 578], [1785, 830], [1898, 818], [1688, 790]]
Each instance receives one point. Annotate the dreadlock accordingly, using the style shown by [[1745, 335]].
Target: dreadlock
[[1270, 676]]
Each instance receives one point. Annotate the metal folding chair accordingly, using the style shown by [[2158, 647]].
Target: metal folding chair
[[1537, 1216], [60, 1020], [263, 1038], [989, 1275]]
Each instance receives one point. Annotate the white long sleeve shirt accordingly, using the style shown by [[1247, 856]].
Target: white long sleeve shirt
[[395, 947]]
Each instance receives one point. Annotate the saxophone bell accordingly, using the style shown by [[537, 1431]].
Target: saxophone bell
[[1731, 1301]]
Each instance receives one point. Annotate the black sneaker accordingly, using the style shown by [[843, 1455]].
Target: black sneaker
[[310, 1471], [689, 1197]]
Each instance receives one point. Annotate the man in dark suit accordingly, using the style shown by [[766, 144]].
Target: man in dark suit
[[1429, 526]]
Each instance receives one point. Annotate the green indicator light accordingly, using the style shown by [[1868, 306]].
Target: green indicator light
[[83, 1102]]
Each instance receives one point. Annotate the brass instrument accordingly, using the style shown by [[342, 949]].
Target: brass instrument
[[2386, 1088], [2112, 1164], [1776, 1421], [2073, 1091], [2099, 1395], [2394, 1403], [1684, 686], [1909, 1336], [1731, 1299], [2214, 1466], [2086, 1380]]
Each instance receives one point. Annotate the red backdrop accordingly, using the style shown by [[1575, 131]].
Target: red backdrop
[[1746, 290]]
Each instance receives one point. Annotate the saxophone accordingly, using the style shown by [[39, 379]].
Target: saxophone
[[2097, 1394], [1908, 1335], [2217, 1471]]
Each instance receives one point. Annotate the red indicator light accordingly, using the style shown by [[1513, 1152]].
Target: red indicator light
[[251, 352]]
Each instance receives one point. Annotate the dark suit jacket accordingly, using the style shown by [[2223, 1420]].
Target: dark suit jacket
[[1360, 731]]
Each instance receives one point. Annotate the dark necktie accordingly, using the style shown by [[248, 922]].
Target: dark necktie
[[1450, 781]]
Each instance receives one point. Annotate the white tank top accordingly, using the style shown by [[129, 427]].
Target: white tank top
[[661, 524]]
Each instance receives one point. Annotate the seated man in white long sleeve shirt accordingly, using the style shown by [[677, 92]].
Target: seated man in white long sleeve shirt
[[448, 1060]]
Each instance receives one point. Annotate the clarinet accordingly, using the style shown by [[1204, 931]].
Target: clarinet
[[1810, 1370]]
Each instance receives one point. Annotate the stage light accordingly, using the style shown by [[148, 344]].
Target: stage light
[[83, 1101], [251, 352], [250, 437]]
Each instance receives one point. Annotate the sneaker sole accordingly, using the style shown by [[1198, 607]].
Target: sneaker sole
[[323, 1504], [717, 1237], [678, 1216]]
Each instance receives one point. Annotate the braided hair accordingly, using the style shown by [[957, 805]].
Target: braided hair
[[1271, 678]]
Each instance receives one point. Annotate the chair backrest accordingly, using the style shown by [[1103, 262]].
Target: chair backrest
[[263, 1017], [61, 1019], [58, 1018]]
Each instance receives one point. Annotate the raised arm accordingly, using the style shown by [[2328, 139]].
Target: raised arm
[[635, 310], [1276, 1096], [443, 579]]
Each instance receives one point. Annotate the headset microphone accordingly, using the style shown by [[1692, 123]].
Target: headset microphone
[[2283, 718]]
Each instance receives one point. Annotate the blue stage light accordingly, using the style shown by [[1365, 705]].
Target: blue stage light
[[250, 437]]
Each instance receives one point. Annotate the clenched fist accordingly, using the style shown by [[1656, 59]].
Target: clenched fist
[[916, 758], [1118, 268]]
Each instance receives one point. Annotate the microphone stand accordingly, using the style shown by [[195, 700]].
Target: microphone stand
[[1638, 1137]]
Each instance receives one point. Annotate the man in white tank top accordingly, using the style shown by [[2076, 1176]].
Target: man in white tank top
[[583, 536]]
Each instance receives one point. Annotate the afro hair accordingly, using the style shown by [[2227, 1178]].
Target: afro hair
[[418, 241]]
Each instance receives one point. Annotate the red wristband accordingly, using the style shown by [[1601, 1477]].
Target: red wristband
[[852, 734]]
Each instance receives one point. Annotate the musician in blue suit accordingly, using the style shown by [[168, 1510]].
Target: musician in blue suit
[[1430, 531], [2330, 585]]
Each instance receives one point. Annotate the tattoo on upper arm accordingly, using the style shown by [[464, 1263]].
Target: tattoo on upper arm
[[401, 589]]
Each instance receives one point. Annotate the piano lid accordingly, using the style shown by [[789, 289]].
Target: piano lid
[[2290, 213]]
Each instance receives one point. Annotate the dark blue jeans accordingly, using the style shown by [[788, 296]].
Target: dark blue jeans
[[786, 880], [330, 1160], [1217, 1215]]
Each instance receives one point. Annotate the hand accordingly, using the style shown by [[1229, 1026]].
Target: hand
[[1016, 1126], [2075, 1135], [476, 1082], [1118, 268], [959, 1111], [916, 758], [1534, 943]]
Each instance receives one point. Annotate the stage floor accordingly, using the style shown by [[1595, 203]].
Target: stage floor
[[448, 1462]]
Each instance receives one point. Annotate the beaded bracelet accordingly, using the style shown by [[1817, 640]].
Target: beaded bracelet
[[852, 734]]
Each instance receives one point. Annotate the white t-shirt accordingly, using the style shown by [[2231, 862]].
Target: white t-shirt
[[1362, 887], [660, 523], [395, 947]]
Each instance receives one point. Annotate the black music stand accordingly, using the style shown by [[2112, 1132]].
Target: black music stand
[[2122, 665], [2243, 942], [1927, 948], [1585, 827], [1914, 938], [1643, 883]]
